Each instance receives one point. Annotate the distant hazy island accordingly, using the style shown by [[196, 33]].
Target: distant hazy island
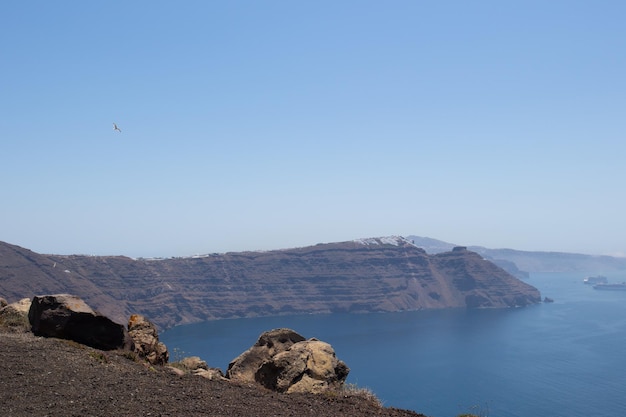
[[521, 263]]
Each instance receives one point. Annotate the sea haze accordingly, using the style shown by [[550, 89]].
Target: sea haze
[[561, 358]]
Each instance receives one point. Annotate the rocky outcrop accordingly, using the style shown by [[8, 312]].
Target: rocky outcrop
[[146, 340], [66, 316], [308, 366], [245, 366], [368, 275], [283, 361]]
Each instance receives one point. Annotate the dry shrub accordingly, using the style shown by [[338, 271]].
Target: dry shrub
[[14, 321], [353, 390]]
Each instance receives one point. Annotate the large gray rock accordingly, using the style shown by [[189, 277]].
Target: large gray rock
[[244, 367], [308, 366], [293, 365], [66, 316], [146, 340]]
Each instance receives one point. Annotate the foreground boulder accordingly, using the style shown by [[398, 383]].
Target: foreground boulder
[[66, 316], [146, 340], [244, 367], [283, 361], [308, 366]]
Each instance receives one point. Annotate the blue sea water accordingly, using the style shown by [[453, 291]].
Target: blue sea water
[[566, 358]]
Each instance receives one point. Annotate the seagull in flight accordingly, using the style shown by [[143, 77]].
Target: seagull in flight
[[117, 129]]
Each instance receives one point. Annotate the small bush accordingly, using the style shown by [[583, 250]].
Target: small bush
[[132, 356], [99, 356], [180, 366], [14, 321], [73, 344], [177, 355], [353, 390]]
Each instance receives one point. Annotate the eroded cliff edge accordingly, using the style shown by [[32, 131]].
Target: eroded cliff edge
[[370, 275]]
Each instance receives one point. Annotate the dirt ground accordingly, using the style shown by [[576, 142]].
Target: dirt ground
[[51, 377]]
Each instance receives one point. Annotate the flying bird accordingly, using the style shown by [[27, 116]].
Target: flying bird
[[116, 128]]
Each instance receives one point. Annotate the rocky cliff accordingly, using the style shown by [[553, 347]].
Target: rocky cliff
[[369, 275]]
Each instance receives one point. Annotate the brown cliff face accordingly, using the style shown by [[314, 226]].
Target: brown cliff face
[[24, 274], [373, 275]]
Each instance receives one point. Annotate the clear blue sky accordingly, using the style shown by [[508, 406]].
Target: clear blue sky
[[253, 125]]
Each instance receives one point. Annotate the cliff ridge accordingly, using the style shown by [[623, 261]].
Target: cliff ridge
[[365, 275]]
